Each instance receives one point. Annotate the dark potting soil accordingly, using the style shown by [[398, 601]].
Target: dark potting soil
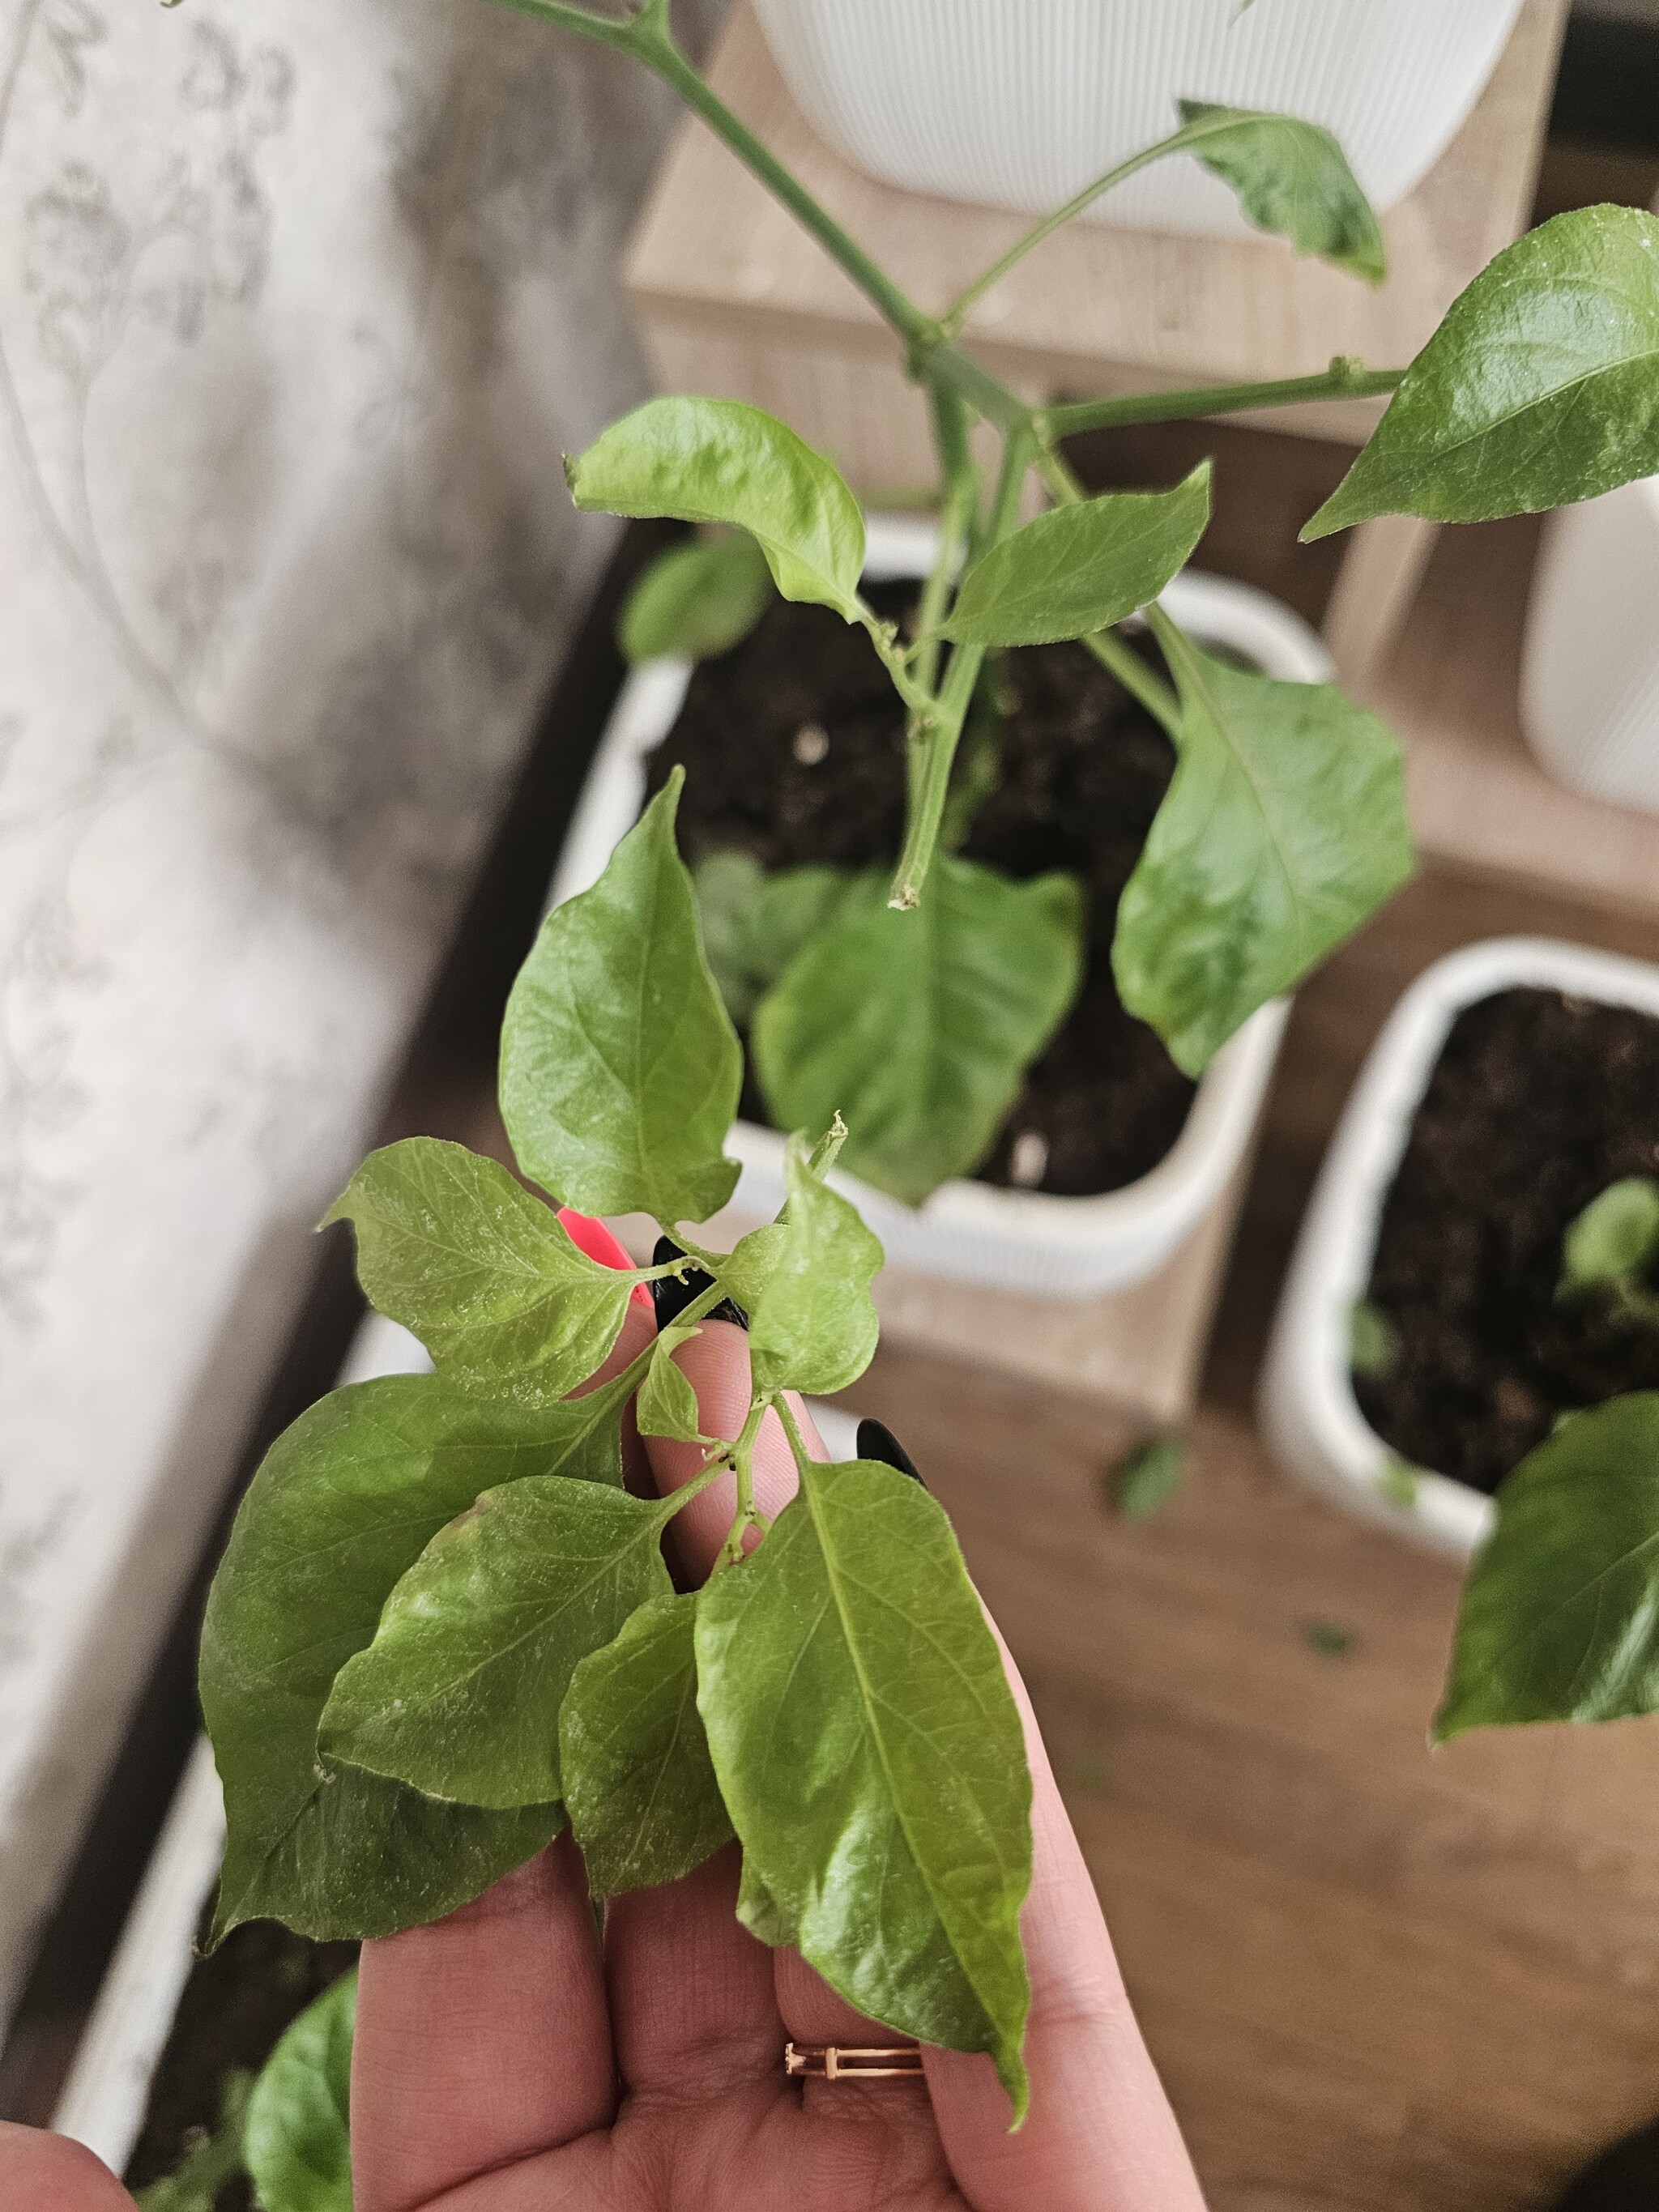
[[1084, 767], [235, 2005], [1537, 1103]]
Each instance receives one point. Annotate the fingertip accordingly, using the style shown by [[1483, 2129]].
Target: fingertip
[[53, 2174]]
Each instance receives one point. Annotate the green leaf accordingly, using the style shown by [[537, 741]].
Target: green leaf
[[1145, 1481], [211, 2160], [1560, 1619], [1081, 567], [1290, 177], [459, 1694], [813, 1327], [451, 1246], [620, 1070], [1616, 1235], [1373, 1340], [1285, 828], [754, 924], [722, 460], [299, 2140], [697, 600], [870, 1754], [745, 1270], [667, 1404], [1540, 386], [343, 1503], [644, 1803], [919, 1026]]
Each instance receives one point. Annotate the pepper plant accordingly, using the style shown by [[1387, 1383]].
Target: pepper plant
[[443, 1628]]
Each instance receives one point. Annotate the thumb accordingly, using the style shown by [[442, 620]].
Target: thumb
[[715, 1362]]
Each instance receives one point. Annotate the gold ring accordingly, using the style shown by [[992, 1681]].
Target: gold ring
[[839, 2061]]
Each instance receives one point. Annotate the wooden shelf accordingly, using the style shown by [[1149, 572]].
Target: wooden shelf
[[1477, 796]]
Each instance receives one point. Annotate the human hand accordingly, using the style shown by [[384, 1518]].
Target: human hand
[[506, 2059]]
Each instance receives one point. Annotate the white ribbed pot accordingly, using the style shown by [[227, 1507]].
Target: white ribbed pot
[[1589, 667], [1306, 1403], [972, 1232], [1019, 103]]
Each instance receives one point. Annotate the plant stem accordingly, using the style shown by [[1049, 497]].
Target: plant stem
[[1343, 379], [796, 1441], [1189, 135], [937, 748], [743, 1465], [825, 1151]]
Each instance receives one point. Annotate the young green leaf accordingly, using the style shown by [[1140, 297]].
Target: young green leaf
[[1373, 1340], [1615, 1237], [918, 1027], [620, 1069], [1145, 1479], [459, 1692], [1081, 567], [1540, 386], [698, 599], [449, 1244], [869, 1753], [667, 1404], [754, 924], [343, 1505], [644, 1803], [1283, 828], [1290, 177], [813, 1327], [1560, 1619], [722, 460], [298, 2141]]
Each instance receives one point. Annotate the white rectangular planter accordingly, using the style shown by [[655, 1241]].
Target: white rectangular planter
[[1308, 1409], [1589, 667], [1020, 103], [971, 1232]]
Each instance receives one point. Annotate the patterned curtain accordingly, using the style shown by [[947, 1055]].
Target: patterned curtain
[[298, 306]]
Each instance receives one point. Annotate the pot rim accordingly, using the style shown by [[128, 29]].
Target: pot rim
[[1306, 1404]]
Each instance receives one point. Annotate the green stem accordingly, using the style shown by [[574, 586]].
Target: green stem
[[743, 1465], [938, 746], [1181, 141], [825, 1152], [958, 511], [804, 1459], [1343, 379]]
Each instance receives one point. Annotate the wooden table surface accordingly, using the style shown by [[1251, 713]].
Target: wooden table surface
[[1377, 1979]]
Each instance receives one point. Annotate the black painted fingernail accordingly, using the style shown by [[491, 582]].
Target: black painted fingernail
[[877, 1441], [672, 1297]]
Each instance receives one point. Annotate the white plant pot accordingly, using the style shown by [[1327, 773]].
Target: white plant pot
[[1020, 103], [971, 1232], [1308, 1409], [1589, 667]]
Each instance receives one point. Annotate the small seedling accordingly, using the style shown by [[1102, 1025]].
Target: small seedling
[[1373, 1340], [1609, 1252], [1329, 1639], [1144, 1481]]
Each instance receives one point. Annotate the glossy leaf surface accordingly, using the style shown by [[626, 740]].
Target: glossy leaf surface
[[1292, 177], [1081, 567], [918, 1027], [871, 1756], [620, 1069], [298, 2141], [458, 1693], [667, 1404], [814, 1326], [698, 599], [1540, 386], [644, 1802], [722, 460], [753, 923], [1285, 827], [343, 1505], [483, 1273], [1560, 1618]]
